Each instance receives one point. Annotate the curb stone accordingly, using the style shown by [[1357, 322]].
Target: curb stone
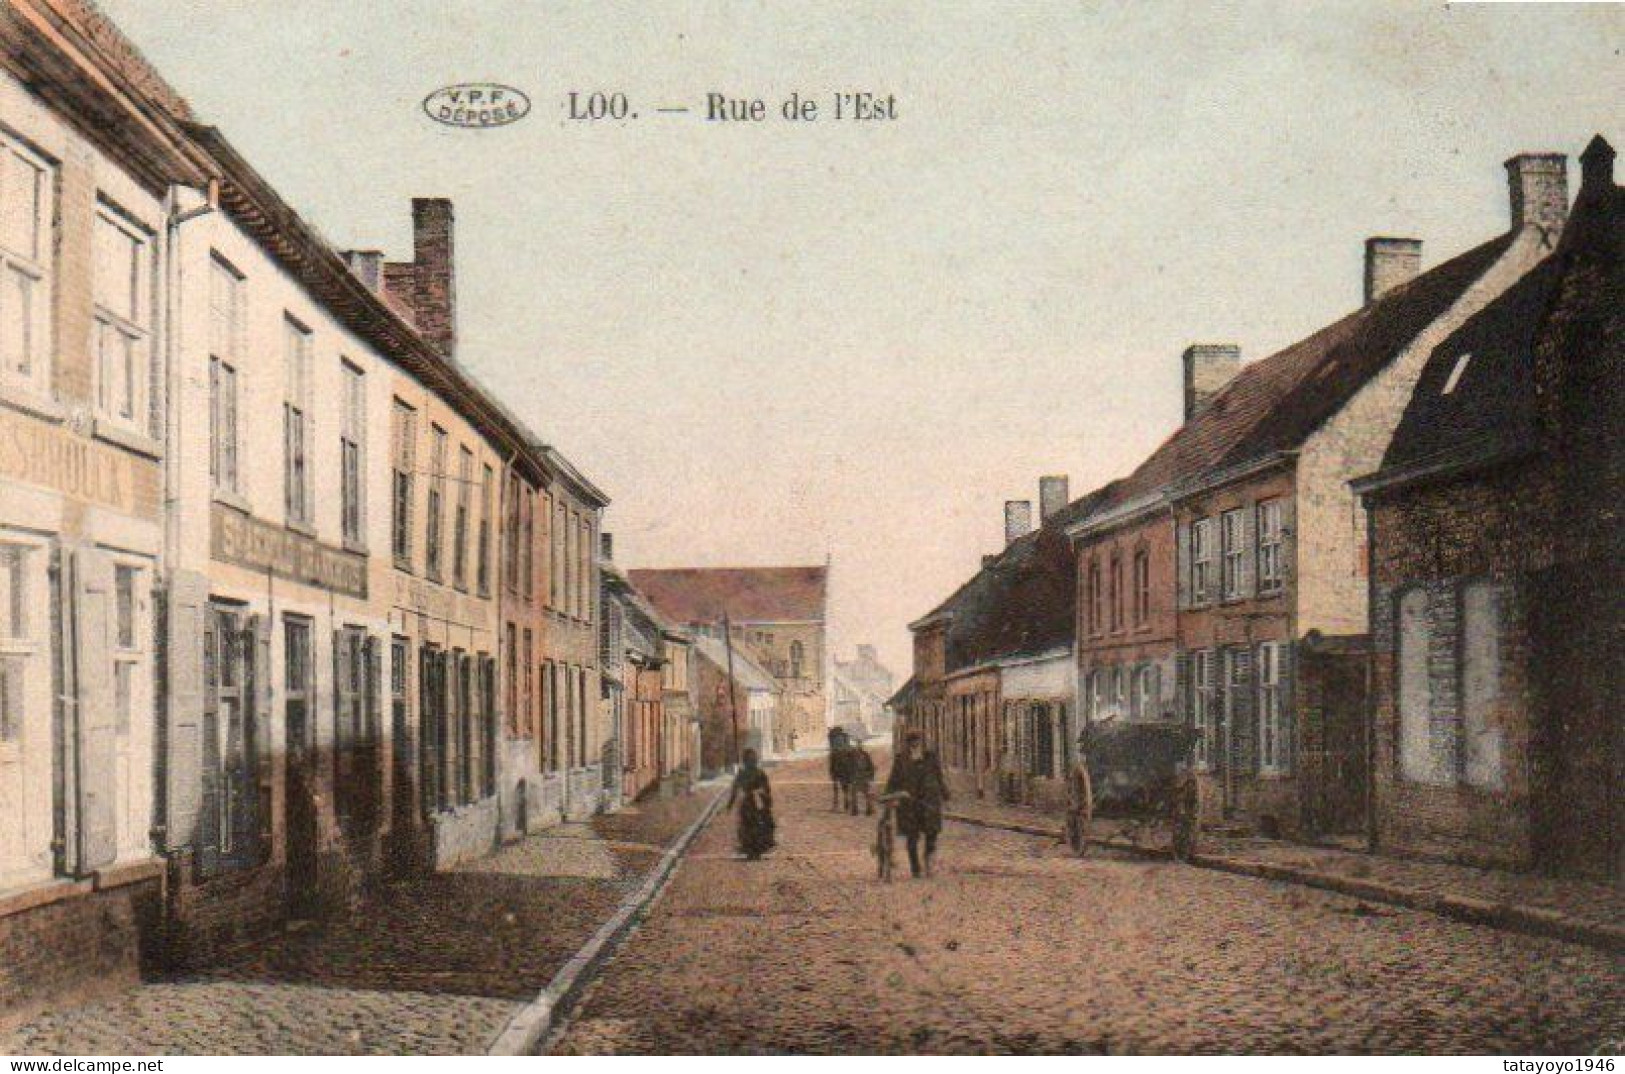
[[533, 1021], [1508, 917]]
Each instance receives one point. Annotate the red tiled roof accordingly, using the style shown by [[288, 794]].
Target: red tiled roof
[[746, 594], [1275, 403]]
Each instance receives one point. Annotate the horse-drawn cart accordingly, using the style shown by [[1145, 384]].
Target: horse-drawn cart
[[1136, 775]]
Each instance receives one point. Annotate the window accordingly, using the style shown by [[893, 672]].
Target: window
[[510, 533], [552, 595], [550, 690], [1201, 561], [560, 582], [584, 549], [225, 337], [513, 678], [459, 526], [352, 444], [1415, 691], [581, 716], [528, 726], [1270, 573], [1096, 598], [1116, 583], [432, 744], [1142, 588], [437, 499], [25, 277], [1091, 697], [797, 656], [1146, 702], [233, 800], [568, 521], [1272, 748], [1232, 551], [1119, 691], [16, 639], [527, 544], [298, 667], [403, 435], [1204, 707], [482, 556], [295, 420], [1481, 684], [123, 343]]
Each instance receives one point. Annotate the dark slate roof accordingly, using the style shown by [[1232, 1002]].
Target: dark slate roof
[[745, 594], [1490, 411], [1273, 404], [1025, 601]]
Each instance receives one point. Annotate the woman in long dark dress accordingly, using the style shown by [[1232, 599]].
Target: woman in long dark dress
[[756, 809]]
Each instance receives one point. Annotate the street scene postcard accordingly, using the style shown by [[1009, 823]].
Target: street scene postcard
[[557, 528]]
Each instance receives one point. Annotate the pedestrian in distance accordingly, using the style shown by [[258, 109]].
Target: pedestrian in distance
[[917, 773], [755, 794], [1184, 811], [860, 780], [837, 767]]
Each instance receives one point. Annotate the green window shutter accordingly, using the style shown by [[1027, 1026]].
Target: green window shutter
[[1247, 575], [96, 740], [188, 598]]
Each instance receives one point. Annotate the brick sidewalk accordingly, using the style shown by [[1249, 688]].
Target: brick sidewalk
[[434, 965], [1567, 909]]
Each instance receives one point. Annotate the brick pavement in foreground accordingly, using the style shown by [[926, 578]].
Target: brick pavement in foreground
[[1017, 946], [435, 965], [1566, 908]]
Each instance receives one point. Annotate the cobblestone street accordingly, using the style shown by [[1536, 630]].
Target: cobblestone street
[[436, 966], [1017, 947]]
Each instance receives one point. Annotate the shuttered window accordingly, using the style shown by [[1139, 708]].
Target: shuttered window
[[1271, 574], [482, 560], [403, 455], [1201, 553], [459, 525], [352, 458], [1273, 756], [26, 185], [123, 289], [296, 420], [1204, 706], [1232, 552], [225, 342], [432, 533]]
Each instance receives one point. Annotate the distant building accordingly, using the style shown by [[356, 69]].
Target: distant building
[[860, 689], [779, 619]]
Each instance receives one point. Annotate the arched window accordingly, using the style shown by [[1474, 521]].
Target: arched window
[[1415, 697], [796, 655]]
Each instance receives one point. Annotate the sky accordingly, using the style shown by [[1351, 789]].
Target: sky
[[779, 342]]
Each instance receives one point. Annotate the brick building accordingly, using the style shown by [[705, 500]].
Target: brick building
[[779, 619], [1496, 551], [1223, 582]]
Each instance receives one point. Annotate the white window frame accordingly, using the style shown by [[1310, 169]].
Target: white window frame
[[298, 346], [226, 303], [1273, 756], [1203, 706], [130, 327], [1201, 561], [1271, 543], [1232, 552], [29, 369], [353, 455]]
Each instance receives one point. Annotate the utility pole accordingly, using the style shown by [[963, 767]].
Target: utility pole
[[733, 684]]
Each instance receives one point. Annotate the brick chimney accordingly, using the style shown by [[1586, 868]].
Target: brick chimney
[[1052, 495], [367, 266], [1018, 520], [1597, 166], [1390, 262], [1539, 186], [1208, 368], [434, 282]]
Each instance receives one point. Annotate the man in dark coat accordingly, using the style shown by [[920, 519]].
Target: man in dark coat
[[837, 767], [917, 773], [860, 778]]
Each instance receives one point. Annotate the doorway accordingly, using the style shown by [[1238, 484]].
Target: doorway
[[302, 791]]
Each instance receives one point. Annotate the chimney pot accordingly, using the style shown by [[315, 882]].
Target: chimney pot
[[1018, 519], [368, 267], [433, 272], [1052, 495], [1208, 368], [1539, 188], [1390, 262], [1597, 165]]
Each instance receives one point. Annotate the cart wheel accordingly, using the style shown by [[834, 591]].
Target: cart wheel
[[1080, 795]]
